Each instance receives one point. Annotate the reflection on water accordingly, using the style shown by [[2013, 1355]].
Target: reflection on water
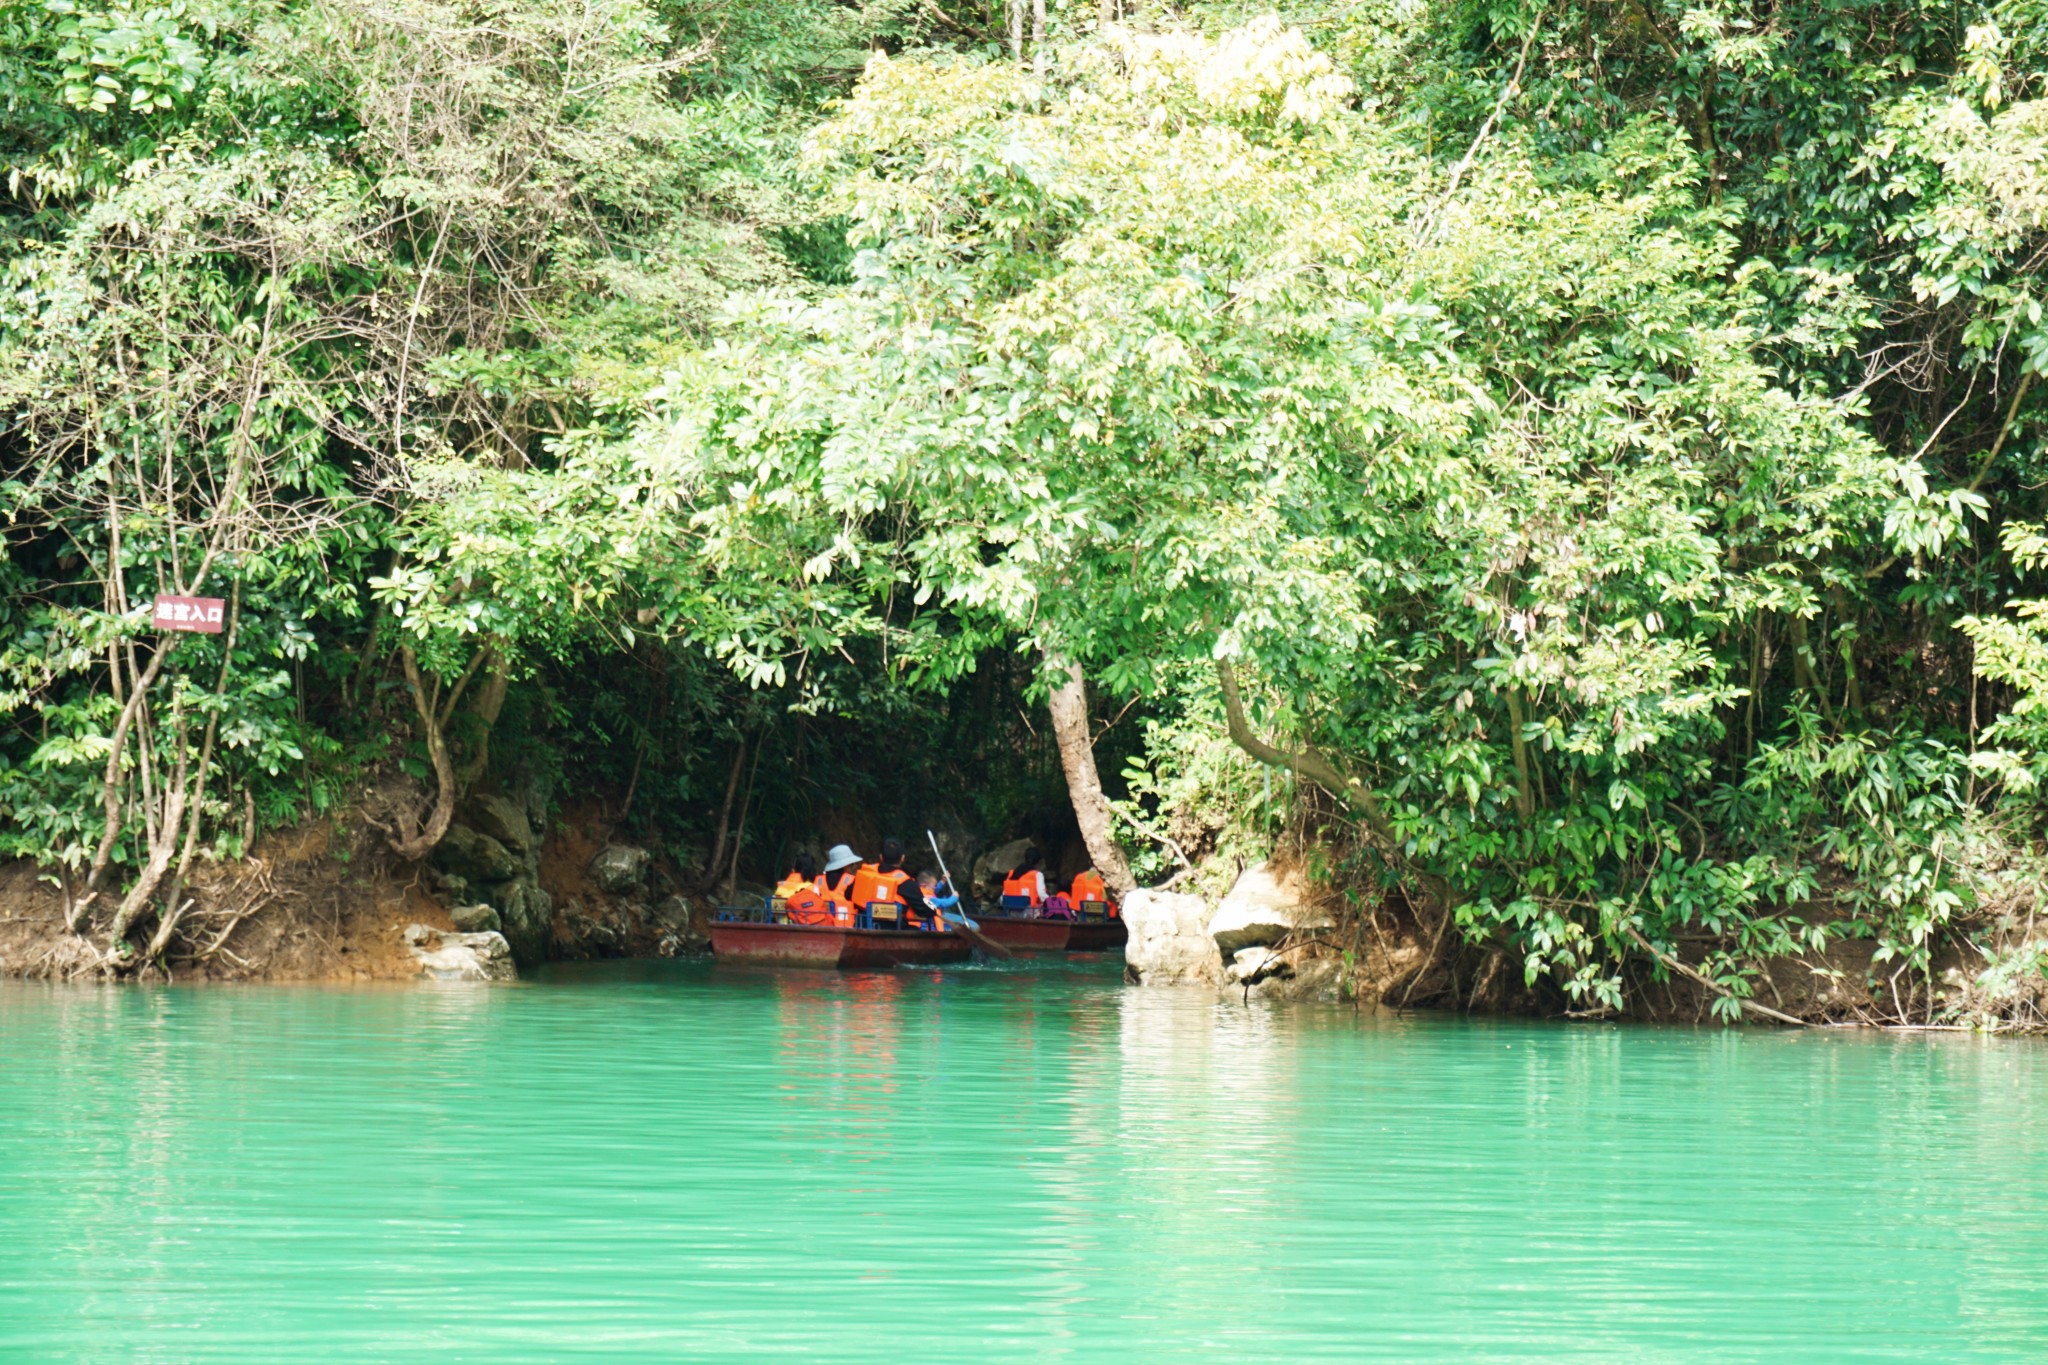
[[670, 1161]]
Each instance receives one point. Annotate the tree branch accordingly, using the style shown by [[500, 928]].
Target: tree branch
[[1325, 774], [1700, 978]]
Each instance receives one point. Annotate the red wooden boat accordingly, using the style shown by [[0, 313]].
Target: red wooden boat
[[1097, 936], [831, 945], [1022, 935]]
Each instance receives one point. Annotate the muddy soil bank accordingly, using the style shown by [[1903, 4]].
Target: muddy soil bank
[[328, 901]]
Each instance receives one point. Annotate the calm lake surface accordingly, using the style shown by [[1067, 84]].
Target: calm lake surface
[[667, 1162]]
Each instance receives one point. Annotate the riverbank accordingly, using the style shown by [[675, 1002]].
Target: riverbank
[[329, 902], [323, 902]]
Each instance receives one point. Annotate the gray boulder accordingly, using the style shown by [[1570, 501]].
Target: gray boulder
[[447, 885], [671, 913], [460, 957], [531, 789], [601, 929], [675, 928], [1262, 909], [1250, 964], [956, 844], [504, 820], [476, 919], [474, 856], [618, 868], [1317, 980], [991, 867], [1169, 941], [529, 919], [751, 893]]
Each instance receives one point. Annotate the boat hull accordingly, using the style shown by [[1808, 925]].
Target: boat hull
[[1097, 936], [1021, 935], [832, 946]]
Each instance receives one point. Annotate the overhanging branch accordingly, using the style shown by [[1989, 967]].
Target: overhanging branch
[[1356, 796]]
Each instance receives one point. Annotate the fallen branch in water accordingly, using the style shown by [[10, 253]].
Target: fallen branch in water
[[1754, 1007]]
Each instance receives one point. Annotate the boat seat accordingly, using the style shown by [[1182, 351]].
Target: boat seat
[[1092, 909], [885, 914], [1016, 905]]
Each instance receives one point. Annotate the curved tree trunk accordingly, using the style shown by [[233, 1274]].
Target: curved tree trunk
[[413, 840], [1069, 707], [1316, 768]]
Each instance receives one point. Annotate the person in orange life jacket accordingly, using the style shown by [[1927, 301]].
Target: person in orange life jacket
[[886, 882], [1026, 882], [1088, 887], [842, 865], [802, 900]]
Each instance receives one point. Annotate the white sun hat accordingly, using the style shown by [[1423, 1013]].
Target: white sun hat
[[840, 856]]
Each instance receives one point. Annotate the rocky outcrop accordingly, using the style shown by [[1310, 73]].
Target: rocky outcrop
[[991, 867], [476, 857], [459, 956], [491, 858], [1288, 980], [1169, 940], [1263, 908], [619, 868], [529, 914], [505, 821], [1250, 964], [476, 919], [618, 910], [675, 928]]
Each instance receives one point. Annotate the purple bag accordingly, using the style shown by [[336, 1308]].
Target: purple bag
[[1057, 906]]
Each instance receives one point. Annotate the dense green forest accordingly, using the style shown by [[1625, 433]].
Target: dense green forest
[[1574, 468]]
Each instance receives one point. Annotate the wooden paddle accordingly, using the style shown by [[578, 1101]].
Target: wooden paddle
[[966, 925]]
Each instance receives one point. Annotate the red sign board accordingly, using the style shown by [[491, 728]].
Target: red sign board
[[188, 613]]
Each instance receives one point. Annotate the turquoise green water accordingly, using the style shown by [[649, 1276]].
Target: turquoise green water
[[673, 1162]]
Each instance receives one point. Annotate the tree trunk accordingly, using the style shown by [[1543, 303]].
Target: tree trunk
[[1525, 795], [714, 857], [417, 842], [1069, 707], [490, 704], [739, 834]]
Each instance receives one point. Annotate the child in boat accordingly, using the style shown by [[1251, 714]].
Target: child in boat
[[937, 894]]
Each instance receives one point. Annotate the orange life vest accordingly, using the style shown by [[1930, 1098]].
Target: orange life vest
[[873, 886], [804, 903], [1089, 890], [1026, 886], [836, 897]]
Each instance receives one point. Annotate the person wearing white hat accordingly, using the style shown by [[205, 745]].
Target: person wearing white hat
[[841, 864]]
